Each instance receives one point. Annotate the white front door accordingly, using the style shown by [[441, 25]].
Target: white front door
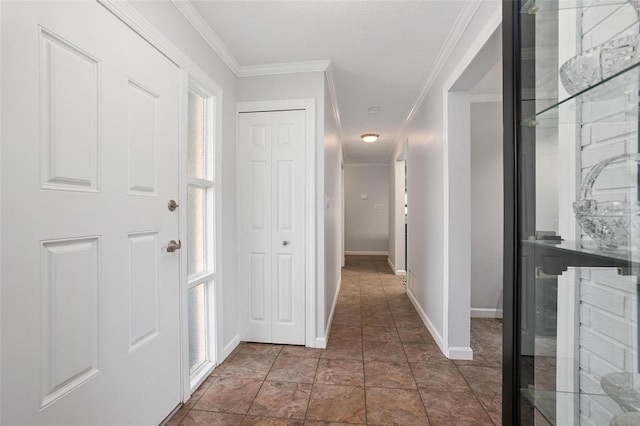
[[271, 194], [90, 295]]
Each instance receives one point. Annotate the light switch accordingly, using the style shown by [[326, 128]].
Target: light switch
[[364, 196], [378, 206]]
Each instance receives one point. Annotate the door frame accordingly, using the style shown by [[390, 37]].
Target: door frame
[[213, 95], [454, 342], [309, 106]]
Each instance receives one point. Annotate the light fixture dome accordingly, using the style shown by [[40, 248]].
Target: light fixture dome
[[370, 137]]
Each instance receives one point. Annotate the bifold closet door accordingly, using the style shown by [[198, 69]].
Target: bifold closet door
[[271, 230]]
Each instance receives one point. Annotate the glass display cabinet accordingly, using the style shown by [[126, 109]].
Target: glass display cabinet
[[572, 212]]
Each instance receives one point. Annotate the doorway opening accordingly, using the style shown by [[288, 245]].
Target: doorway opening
[[473, 174]]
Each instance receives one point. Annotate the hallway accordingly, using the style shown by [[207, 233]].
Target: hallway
[[381, 366]]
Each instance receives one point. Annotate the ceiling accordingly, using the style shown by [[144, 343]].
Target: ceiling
[[381, 53]]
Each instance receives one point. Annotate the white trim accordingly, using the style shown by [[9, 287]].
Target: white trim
[[480, 40], [200, 25], [467, 13], [365, 253], [486, 313], [1, 223], [229, 347], [185, 378], [453, 352], [309, 105], [460, 352], [427, 322], [283, 68], [127, 14], [487, 97], [321, 342], [204, 29], [399, 272]]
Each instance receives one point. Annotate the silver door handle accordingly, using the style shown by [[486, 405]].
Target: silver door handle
[[173, 246], [285, 243]]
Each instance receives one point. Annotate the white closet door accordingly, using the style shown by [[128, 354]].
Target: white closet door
[[271, 156], [90, 297]]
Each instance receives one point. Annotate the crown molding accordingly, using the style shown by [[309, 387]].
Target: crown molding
[[469, 9], [200, 25], [139, 24], [204, 29], [283, 68]]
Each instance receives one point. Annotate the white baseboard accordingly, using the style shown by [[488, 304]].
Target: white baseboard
[[321, 342], [453, 352], [486, 313], [427, 322], [393, 268], [460, 352], [229, 347], [366, 253]]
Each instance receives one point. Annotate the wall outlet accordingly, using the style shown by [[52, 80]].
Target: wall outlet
[[378, 206]]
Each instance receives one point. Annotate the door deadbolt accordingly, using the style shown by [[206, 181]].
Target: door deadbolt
[[173, 246], [172, 205], [285, 243]]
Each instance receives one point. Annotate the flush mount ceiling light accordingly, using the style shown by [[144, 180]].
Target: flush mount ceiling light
[[370, 137]]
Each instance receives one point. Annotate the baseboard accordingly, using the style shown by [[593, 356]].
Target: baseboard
[[229, 347], [400, 272], [427, 322], [460, 352], [391, 265], [486, 313], [366, 253], [321, 342]]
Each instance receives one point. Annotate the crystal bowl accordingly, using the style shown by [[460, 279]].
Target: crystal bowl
[[599, 63], [612, 224]]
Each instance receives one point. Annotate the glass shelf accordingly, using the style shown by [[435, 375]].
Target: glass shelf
[[612, 100], [546, 401], [535, 6], [573, 254]]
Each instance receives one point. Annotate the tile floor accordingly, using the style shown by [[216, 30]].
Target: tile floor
[[381, 367]]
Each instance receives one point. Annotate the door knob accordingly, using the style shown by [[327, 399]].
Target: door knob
[[173, 246], [285, 243], [172, 205]]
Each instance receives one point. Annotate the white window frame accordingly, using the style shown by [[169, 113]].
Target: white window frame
[[212, 277]]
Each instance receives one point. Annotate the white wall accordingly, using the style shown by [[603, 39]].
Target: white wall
[[366, 220], [426, 182], [333, 209], [167, 19], [299, 86], [486, 207]]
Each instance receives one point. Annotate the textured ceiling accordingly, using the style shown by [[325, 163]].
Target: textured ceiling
[[381, 52]]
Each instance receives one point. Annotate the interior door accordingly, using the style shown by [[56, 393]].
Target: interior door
[[90, 294], [271, 185]]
